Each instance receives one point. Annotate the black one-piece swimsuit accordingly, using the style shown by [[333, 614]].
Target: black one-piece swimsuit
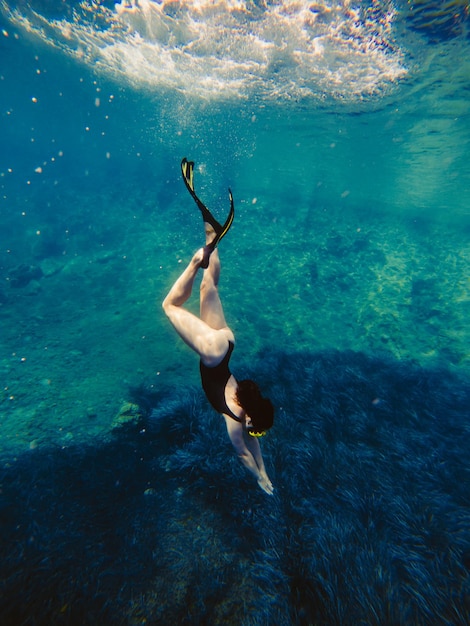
[[214, 381]]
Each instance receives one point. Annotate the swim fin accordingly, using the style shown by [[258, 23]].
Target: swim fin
[[210, 247], [187, 170]]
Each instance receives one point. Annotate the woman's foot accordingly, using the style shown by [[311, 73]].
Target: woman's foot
[[202, 256]]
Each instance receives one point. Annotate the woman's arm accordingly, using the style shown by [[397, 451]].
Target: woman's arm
[[249, 453]]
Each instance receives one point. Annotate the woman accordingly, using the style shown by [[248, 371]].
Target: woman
[[247, 414]]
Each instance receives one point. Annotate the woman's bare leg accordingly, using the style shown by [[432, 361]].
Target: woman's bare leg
[[183, 286], [211, 309], [195, 332]]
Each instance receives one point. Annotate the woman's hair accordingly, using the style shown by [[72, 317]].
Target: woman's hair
[[258, 408]]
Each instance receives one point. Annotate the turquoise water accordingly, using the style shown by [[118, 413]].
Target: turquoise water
[[343, 131]]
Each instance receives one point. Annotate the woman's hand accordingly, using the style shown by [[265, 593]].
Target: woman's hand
[[266, 484]]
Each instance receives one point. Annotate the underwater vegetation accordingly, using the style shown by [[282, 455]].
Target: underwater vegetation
[[159, 523]]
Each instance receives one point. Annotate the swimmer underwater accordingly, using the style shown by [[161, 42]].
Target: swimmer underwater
[[247, 414]]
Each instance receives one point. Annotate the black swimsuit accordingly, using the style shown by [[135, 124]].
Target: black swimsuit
[[214, 381]]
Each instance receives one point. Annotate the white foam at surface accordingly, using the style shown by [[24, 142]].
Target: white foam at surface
[[289, 49]]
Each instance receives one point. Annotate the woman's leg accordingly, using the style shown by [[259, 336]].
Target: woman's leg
[[211, 309], [195, 332]]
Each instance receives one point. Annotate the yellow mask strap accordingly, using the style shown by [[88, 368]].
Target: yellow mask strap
[[256, 434]]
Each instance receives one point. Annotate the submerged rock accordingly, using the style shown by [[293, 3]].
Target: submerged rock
[[128, 416], [32, 288], [23, 274], [52, 266]]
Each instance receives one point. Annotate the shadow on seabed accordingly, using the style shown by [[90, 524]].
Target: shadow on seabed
[[160, 523]]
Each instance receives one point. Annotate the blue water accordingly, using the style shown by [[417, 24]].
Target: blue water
[[343, 131]]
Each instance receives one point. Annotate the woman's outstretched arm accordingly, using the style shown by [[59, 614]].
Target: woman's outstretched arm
[[249, 454]]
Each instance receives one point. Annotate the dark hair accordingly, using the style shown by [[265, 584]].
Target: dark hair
[[258, 408]]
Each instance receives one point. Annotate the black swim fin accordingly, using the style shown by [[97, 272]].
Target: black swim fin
[[210, 247], [187, 170]]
